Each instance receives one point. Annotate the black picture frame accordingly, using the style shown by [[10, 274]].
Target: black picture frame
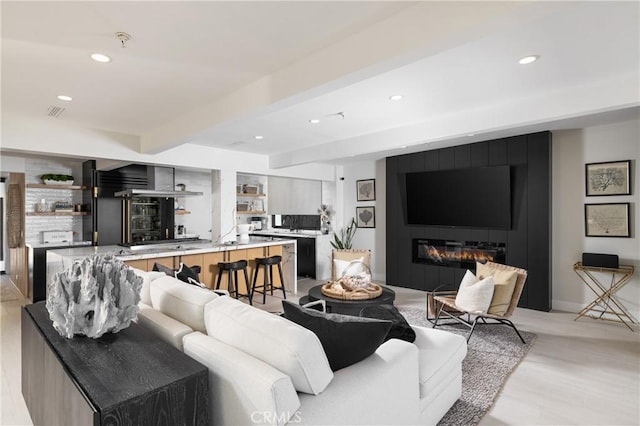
[[608, 178], [366, 217], [366, 190], [607, 220]]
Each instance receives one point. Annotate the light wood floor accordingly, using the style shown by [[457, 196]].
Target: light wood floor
[[583, 372]]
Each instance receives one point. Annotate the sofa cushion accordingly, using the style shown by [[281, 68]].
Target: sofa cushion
[[475, 295], [440, 355], [505, 283], [147, 277], [186, 274], [379, 390], [159, 267], [243, 390], [400, 328], [287, 346], [181, 301], [346, 339], [168, 329]]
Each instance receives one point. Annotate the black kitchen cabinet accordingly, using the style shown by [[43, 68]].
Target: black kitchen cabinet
[[114, 220], [306, 257], [103, 223]]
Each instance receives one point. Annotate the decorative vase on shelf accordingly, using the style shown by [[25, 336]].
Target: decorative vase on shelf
[[324, 227]]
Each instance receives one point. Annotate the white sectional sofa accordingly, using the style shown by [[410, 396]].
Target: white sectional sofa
[[265, 369]]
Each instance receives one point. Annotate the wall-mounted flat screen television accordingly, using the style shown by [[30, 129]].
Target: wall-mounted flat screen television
[[475, 197]]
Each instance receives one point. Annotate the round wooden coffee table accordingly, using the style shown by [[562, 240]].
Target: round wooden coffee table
[[348, 307]]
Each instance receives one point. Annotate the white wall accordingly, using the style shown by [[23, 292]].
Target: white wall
[[572, 149], [368, 238]]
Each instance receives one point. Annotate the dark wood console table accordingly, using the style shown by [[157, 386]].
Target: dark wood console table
[[127, 378]]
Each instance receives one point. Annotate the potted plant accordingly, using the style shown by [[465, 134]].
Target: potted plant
[[57, 179], [346, 236]]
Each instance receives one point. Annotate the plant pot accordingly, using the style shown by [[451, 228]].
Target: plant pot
[[58, 182]]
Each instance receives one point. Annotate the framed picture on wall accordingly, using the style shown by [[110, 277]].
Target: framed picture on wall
[[366, 189], [366, 217], [607, 220], [611, 178]]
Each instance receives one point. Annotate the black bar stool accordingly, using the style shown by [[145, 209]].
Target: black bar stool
[[267, 283], [232, 269]]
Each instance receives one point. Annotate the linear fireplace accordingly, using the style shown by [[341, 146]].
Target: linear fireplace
[[457, 254]]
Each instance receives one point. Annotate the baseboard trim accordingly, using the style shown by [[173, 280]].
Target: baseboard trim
[[562, 305]]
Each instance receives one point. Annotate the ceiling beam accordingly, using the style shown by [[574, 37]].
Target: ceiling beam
[[535, 113], [411, 34]]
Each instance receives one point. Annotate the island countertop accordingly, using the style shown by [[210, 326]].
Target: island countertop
[[168, 249], [187, 251]]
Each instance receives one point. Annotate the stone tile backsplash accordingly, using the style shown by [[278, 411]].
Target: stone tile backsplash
[[35, 225]]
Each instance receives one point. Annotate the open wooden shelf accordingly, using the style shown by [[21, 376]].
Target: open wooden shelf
[[252, 212], [43, 186], [182, 212], [242, 194]]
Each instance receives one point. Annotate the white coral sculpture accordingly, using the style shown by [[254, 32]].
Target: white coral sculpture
[[96, 295]]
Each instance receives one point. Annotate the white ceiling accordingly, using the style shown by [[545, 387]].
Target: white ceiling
[[219, 73]]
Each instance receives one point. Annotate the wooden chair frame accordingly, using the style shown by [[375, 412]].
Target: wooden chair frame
[[482, 319]]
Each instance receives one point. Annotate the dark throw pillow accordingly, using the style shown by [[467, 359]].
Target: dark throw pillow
[[345, 339], [400, 328], [161, 268], [187, 274]]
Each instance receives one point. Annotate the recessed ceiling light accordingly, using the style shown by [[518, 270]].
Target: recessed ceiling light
[[65, 98], [395, 97], [471, 134], [99, 57], [528, 59], [403, 146], [314, 121], [259, 137]]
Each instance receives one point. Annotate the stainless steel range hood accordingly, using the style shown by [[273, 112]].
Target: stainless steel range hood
[[156, 193], [160, 184]]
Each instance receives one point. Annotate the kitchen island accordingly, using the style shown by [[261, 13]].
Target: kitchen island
[[207, 255], [314, 250]]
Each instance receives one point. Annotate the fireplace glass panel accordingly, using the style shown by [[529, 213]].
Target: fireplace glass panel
[[457, 254]]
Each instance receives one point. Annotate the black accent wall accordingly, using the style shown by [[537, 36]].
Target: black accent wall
[[529, 239]]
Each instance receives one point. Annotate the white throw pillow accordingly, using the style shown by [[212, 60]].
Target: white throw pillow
[[340, 265], [281, 343], [475, 295]]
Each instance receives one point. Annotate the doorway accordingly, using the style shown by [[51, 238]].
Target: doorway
[[3, 239]]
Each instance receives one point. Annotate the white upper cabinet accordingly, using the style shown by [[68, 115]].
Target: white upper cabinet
[[294, 196]]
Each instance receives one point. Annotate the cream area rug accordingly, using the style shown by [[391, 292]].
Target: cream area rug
[[494, 351]]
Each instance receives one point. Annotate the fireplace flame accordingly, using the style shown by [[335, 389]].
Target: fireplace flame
[[442, 255]]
